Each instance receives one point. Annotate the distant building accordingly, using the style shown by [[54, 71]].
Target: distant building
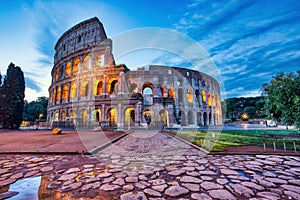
[[88, 89]]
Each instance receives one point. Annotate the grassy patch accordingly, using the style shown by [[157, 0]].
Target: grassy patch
[[224, 139]]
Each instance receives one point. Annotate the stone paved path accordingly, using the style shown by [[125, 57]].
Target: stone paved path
[[153, 165]]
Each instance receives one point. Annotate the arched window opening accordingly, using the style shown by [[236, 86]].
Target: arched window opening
[[114, 87], [147, 90], [87, 62], [54, 95], [203, 96], [171, 92], [73, 91], [129, 117], [65, 92], [68, 68], [213, 101], [163, 117], [208, 100], [56, 116], [100, 60], [72, 114], [197, 94], [76, 65], [189, 95], [58, 94], [84, 89], [99, 88], [112, 117], [84, 116], [148, 116], [191, 117], [180, 95], [56, 74], [63, 116]]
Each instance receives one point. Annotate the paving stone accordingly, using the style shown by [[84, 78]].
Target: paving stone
[[201, 196], [31, 173], [88, 166], [265, 183], [36, 160], [294, 182], [190, 179], [66, 177], [108, 187], [140, 185], [292, 194], [119, 181], [46, 169], [4, 171], [211, 173], [176, 191], [189, 168], [104, 175], [17, 175], [131, 179], [92, 179], [253, 185], [242, 190], [210, 185], [160, 188], [152, 192], [133, 196], [128, 187], [269, 195], [221, 194], [157, 182], [292, 188], [108, 180], [191, 187], [176, 172], [276, 180], [72, 170], [74, 186], [228, 172], [192, 173], [292, 163], [222, 181]]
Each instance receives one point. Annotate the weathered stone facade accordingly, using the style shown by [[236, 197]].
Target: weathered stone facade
[[88, 89]]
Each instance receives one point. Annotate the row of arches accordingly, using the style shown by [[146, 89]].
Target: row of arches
[[77, 65]]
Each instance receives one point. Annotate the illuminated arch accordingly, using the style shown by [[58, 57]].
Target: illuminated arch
[[76, 65], [84, 117], [151, 113], [56, 116], [203, 96], [87, 62], [73, 91], [58, 94], [163, 116], [63, 116], [189, 95], [84, 89], [98, 87], [65, 92], [208, 99], [133, 88], [68, 68], [112, 117], [129, 117], [171, 92], [97, 116], [72, 114], [112, 86], [148, 88]]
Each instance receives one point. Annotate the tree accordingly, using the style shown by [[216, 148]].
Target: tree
[[251, 111], [283, 98], [34, 109], [12, 97]]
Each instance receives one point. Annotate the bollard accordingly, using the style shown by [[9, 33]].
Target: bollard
[[274, 146], [295, 147], [264, 146], [284, 147]]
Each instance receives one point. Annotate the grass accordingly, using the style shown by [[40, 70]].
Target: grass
[[227, 138]]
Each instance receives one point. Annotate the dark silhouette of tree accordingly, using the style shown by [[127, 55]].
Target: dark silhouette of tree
[[12, 98], [36, 109]]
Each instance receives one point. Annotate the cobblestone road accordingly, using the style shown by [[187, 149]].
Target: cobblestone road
[[152, 165]]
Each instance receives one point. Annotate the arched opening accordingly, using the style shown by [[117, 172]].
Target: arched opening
[[205, 118], [171, 92], [203, 96], [189, 95], [76, 65], [56, 116], [149, 115], [100, 60], [148, 89], [63, 116], [73, 91], [197, 94], [97, 117], [208, 100], [58, 94], [99, 88], [129, 117], [87, 63], [68, 68], [182, 117], [163, 117], [164, 92], [133, 88], [180, 95], [213, 102], [54, 95], [112, 117], [56, 74], [199, 119], [113, 86], [72, 114], [65, 92], [84, 89], [215, 122], [191, 118], [210, 118], [84, 117]]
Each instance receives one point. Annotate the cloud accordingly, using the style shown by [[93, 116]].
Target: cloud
[[30, 83]]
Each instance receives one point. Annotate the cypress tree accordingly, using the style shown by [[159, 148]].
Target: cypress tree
[[13, 94]]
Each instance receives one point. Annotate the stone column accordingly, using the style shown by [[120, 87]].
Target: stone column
[[120, 114]]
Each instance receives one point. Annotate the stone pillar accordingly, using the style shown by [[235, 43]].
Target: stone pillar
[[120, 114]]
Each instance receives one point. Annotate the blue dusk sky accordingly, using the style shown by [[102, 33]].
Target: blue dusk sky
[[249, 41]]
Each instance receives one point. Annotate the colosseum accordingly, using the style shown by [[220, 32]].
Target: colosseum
[[89, 90]]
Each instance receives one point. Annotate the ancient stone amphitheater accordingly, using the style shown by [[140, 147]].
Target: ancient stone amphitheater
[[88, 89]]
